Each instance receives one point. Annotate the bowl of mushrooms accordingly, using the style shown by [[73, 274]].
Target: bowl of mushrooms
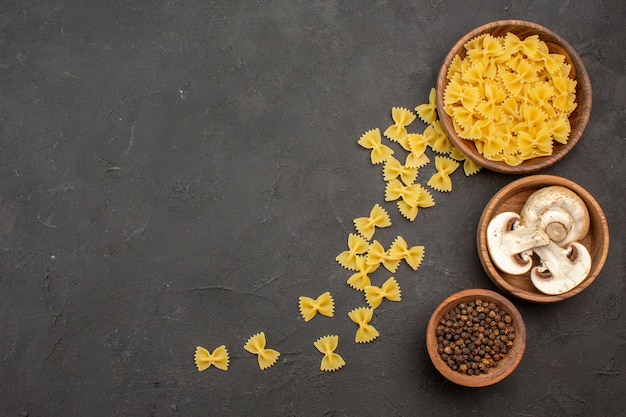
[[543, 238]]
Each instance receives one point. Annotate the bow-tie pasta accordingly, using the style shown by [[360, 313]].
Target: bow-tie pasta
[[218, 358], [440, 180], [256, 346], [309, 307], [366, 226], [372, 140], [390, 290], [511, 97], [366, 332], [331, 361]]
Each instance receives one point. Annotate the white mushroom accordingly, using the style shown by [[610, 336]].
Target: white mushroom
[[510, 245], [559, 211], [561, 269]]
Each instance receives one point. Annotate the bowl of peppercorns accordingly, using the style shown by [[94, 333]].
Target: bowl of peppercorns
[[476, 338]]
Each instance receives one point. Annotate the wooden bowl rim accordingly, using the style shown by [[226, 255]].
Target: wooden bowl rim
[[523, 184], [583, 93], [507, 364]]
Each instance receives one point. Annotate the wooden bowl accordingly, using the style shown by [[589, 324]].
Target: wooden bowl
[[505, 366], [511, 198], [578, 119]]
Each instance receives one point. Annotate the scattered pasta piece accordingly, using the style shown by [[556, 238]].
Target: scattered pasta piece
[[469, 167], [424, 200], [402, 117], [395, 190], [390, 291], [356, 246], [428, 112], [204, 359], [440, 180], [438, 138], [393, 168], [372, 140], [413, 256], [324, 304], [366, 226], [366, 332], [331, 361], [256, 346], [360, 279], [511, 97], [377, 255], [416, 161]]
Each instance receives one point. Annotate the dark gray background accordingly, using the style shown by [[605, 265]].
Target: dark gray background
[[178, 173]]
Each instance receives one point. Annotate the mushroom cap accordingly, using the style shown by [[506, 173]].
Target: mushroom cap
[[559, 211], [510, 246]]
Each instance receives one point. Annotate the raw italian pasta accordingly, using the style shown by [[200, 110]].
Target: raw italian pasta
[[366, 226], [424, 200], [428, 112], [256, 346], [377, 255], [360, 279], [218, 358], [372, 140], [390, 290], [393, 168], [438, 138], [440, 180], [309, 307], [413, 255], [408, 193], [357, 245], [331, 361], [511, 97], [469, 167], [366, 332], [402, 118]]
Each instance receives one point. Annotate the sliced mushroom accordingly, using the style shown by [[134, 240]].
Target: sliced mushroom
[[559, 211], [510, 245], [561, 269]]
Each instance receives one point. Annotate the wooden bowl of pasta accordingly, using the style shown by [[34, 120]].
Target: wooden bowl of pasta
[[485, 354], [504, 98], [511, 198]]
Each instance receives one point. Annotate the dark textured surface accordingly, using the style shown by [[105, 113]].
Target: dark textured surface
[[178, 173]]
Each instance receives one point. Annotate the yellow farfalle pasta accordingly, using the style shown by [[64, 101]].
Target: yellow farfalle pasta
[[416, 161], [428, 112], [378, 255], [357, 245], [440, 180], [218, 358], [390, 290], [413, 255], [402, 118], [366, 332], [514, 85], [366, 226], [469, 167], [256, 346], [417, 143], [309, 307], [393, 168], [372, 140], [395, 190], [360, 279], [437, 138], [331, 361], [424, 200]]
